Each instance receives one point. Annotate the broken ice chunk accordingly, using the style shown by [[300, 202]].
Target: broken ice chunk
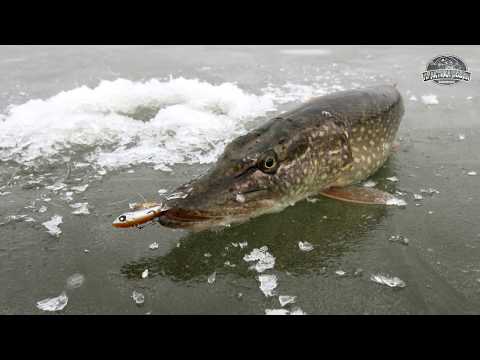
[[412, 98], [268, 283], [286, 299], [242, 244], [211, 278], [430, 99], [57, 186], [52, 225], [80, 188], [400, 239], [162, 191], [75, 281], [429, 191], [53, 304], [417, 196], [392, 179], [67, 196], [264, 259], [389, 281], [305, 246], [396, 202], [340, 272], [369, 184], [81, 208], [297, 311], [461, 137], [42, 209], [153, 246], [138, 297], [145, 274], [472, 173]]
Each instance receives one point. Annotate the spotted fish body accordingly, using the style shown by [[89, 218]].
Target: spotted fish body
[[350, 135], [327, 143]]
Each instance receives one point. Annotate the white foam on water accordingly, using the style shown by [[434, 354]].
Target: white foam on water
[[190, 122]]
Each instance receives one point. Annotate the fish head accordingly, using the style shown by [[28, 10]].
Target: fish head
[[261, 172]]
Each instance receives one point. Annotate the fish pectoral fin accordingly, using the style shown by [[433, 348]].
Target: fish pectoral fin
[[359, 195]]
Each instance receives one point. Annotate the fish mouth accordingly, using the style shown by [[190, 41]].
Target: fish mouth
[[187, 218], [199, 219]]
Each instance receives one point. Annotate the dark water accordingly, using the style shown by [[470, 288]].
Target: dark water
[[440, 265]]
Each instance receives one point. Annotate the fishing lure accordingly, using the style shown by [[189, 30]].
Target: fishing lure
[[142, 214]]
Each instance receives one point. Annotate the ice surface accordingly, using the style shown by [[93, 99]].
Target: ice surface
[[53, 304], [389, 281], [306, 52], [268, 283], [305, 246], [264, 259], [430, 99], [52, 225], [286, 299], [81, 208], [75, 281]]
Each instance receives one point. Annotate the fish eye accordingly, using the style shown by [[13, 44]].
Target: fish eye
[[268, 163], [122, 218]]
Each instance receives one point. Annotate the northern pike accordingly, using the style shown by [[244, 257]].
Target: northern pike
[[323, 147]]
